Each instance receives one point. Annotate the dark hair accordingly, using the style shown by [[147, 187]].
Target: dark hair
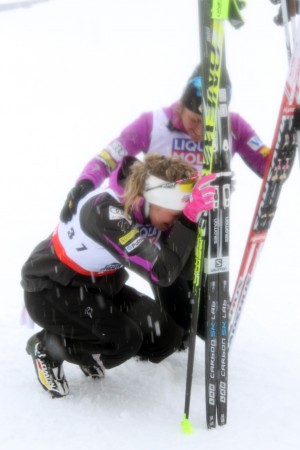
[[192, 95]]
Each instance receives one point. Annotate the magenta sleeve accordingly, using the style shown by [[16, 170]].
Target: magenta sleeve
[[135, 138], [247, 144]]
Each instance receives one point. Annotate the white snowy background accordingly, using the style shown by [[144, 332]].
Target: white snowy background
[[73, 74]]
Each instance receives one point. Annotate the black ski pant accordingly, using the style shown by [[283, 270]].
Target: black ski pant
[[177, 301], [80, 325]]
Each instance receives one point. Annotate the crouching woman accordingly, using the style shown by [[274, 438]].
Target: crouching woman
[[75, 282]]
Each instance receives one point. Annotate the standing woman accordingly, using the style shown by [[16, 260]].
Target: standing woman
[[75, 281], [175, 130]]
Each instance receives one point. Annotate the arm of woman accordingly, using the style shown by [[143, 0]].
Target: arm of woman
[[248, 145], [161, 262]]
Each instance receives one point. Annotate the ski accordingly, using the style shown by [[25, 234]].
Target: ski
[[287, 16], [212, 249], [279, 165], [212, 45], [216, 235]]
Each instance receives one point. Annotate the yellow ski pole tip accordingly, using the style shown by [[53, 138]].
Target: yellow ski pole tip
[[186, 425]]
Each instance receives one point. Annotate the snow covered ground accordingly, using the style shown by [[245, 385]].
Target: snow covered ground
[[73, 73]]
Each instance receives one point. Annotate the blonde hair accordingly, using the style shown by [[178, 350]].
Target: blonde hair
[[168, 168]]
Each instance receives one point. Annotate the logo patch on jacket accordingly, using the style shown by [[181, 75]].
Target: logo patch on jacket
[[117, 214], [134, 244], [89, 311], [255, 143], [116, 150], [148, 232], [128, 237]]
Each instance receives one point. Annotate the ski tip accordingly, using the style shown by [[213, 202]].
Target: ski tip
[[186, 425]]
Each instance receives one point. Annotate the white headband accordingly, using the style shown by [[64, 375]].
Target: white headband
[[168, 194]]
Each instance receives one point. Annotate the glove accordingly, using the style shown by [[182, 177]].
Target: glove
[[75, 194], [202, 198], [296, 118]]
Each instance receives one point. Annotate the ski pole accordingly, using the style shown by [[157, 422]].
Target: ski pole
[[198, 270]]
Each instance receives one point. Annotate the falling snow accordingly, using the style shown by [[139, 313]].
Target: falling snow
[[73, 74]]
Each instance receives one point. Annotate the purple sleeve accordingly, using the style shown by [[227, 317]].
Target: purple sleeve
[[96, 171], [248, 145], [135, 138]]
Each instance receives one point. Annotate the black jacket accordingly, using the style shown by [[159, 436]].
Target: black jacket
[[165, 259]]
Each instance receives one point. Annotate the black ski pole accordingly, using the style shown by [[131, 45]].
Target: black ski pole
[[199, 256]]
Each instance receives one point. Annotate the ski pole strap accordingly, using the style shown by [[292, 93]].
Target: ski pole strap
[[220, 9], [228, 10]]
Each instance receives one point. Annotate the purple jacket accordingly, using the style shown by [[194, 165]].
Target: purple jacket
[[162, 132]]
